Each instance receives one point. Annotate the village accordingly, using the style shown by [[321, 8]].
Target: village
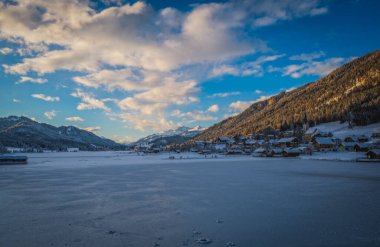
[[273, 143]]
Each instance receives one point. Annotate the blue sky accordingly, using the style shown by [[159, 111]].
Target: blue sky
[[125, 69]]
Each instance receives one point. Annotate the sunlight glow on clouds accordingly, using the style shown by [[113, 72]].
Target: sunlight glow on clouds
[[74, 119], [151, 57]]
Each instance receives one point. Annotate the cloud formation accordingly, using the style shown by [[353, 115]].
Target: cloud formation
[[50, 114], [223, 95], [6, 51], [25, 79], [312, 67], [253, 68], [92, 129], [88, 101], [140, 51], [45, 97], [74, 119]]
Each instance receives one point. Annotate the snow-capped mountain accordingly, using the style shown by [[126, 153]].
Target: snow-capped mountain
[[173, 136], [24, 132]]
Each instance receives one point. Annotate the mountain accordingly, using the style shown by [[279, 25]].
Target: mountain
[[351, 90], [24, 132], [174, 136]]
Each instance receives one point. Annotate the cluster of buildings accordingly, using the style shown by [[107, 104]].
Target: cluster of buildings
[[289, 144]]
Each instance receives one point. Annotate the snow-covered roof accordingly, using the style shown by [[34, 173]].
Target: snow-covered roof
[[250, 141], [286, 140], [260, 150], [293, 150], [226, 139], [349, 144], [310, 131], [364, 144], [375, 151], [276, 150], [324, 141]]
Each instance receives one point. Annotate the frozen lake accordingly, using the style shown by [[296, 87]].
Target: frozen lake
[[115, 199]]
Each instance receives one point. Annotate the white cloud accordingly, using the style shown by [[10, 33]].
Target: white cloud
[[213, 108], [205, 35], [193, 116], [138, 50], [50, 114], [74, 119], [269, 12], [240, 105], [307, 56], [88, 101], [223, 95], [92, 129], [253, 68], [16, 100], [258, 92], [316, 68], [45, 97], [140, 122], [5, 51], [224, 70], [25, 79]]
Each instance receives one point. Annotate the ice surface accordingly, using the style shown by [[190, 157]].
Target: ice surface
[[120, 199]]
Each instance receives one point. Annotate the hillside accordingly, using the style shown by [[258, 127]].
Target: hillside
[[354, 87], [24, 132]]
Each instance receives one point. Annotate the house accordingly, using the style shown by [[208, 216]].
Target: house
[[275, 152], [234, 151], [323, 144], [356, 138], [15, 149], [260, 152], [348, 146], [72, 149], [373, 154], [220, 148], [313, 133], [376, 135], [224, 139], [310, 133], [288, 142], [362, 147], [291, 152]]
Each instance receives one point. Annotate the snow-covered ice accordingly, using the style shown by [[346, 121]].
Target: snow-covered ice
[[121, 199]]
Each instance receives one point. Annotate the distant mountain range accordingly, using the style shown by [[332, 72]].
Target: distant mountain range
[[351, 90], [175, 136], [24, 132]]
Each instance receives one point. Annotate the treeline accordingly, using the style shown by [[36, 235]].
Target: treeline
[[351, 92]]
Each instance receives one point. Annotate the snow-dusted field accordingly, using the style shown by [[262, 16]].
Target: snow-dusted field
[[119, 199]]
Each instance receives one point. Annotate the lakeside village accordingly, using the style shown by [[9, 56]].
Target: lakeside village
[[360, 143], [275, 143]]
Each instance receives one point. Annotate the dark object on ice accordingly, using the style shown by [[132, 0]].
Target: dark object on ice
[[111, 232], [156, 244], [204, 241], [219, 221], [160, 238], [13, 159], [230, 244]]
